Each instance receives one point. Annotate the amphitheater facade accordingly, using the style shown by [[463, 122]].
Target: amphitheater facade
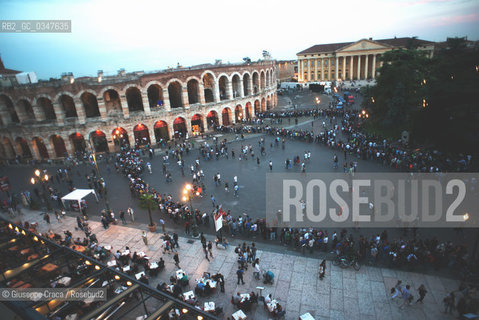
[[51, 119]]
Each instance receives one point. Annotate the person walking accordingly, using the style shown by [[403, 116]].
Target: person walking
[[270, 165], [257, 269], [210, 248], [422, 293], [239, 274], [122, 217], [145, 238], [406, 296], [46, 217], [177, 260], [396, 290], [449, 302], [322, 269]]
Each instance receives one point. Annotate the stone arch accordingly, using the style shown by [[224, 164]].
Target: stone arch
[[133, 98], [67, 103], [268, 84], [268, 103], [223, 84], [246, 84], [175, 93], [239, 113], [142, 135], [25, 110], [262, 82], [209, 82], [193, 87], [236, 85], [7, 109], [257, 108], [255, 82], [99, 142], [179, 127], [212, 119], [161, 131], [23, 149], [226, 116], [40, 147], [112, 100], [120, 137], [155, 95], [197, 124], [58, 146], [45, 105], [263, 105], [9, 150], [248, 111], [78, 142], [90, 103]]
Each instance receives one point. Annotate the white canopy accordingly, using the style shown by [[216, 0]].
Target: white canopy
[[78, 195]]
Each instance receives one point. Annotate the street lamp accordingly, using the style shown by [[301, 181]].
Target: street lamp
[[187, 193], [43, 180]]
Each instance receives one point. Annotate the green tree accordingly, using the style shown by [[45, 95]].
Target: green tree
[[148, 202]]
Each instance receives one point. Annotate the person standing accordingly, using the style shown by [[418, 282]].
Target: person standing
[[422, 293], [270, 165], [46, 217], [131, 213], [145, 238], [122, 217], [210, 248], [221, 280], [177, 260], [162, 222], [239, 274]]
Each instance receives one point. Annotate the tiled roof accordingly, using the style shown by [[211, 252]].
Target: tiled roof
[[395, 42]]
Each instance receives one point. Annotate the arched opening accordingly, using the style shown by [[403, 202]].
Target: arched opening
[[9, 150], [98, 138], [238, 113], [248, 111], [68, 106], [46, 106], [27, 110], [23, 148], [134, 99], [6, 104], [223, 86], [255, 83], [59, 146], [120, 137], [42, 149], [78, 142], [212, 119], [90, 103], [155, 96], [142, 136], [268, 79], [161, 131], [256, 107], [268, 103], [197, 124], [236, 86], [179, 127], [175, 94], [226, 115], [263, 105], [262, 83], [209, 87], [112, 101], [193, 91], [246, 84]]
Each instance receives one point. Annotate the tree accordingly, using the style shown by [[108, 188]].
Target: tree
[[148, 202]]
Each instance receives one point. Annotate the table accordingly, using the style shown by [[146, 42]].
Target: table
[[25, 251], [33, 256], [107, 247], [189, 295], [126, 269], [141, 254], [111, 263], [79, 248], [14, 248], [138, 275], [210, 306], [170, 288], [125, 252], [120, 289], [212, 283], [49, 267], [239, 315], [244, 296], [153, 265], [306, 316], [180, 274], [65, 281]]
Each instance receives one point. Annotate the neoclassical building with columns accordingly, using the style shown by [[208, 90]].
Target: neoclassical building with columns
[[53, 118], [351, 60]]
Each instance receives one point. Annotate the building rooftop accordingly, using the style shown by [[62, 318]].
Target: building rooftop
[[5, 71]]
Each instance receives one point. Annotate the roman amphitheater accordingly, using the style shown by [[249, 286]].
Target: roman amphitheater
[[51, 119]]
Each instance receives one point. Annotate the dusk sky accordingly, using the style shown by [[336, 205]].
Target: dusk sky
[[153, 35]]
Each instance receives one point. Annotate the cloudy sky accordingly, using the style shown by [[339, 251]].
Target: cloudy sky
[[156, 34]]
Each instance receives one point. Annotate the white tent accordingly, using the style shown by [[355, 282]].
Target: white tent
[[78, 195]]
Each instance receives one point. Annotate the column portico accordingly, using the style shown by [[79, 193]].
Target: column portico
[[351, 70], [336, 67], [329, 69], [309, 70], [344, 69], [366, 69], [374, 67], [359, 67], [322, 69], [316, 69]]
